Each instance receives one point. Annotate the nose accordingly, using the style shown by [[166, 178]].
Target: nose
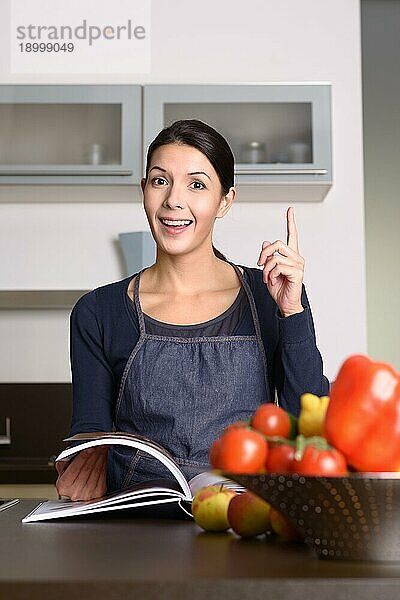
[[174, 198]]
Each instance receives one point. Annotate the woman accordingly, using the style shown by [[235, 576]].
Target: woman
[[193, 342]]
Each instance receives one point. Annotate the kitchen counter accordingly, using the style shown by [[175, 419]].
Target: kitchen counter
[[122, 556]]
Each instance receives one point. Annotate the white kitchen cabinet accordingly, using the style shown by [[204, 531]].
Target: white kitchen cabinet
[[280, 134], [70, 134]]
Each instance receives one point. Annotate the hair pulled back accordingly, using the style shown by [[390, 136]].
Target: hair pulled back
[[204, 138]]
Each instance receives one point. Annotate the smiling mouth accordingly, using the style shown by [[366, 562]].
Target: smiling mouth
[[176, 223]]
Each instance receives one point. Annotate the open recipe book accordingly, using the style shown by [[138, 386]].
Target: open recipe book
[[149, 493]]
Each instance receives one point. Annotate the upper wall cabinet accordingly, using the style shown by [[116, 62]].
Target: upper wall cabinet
[[280, 134], [70, 134]]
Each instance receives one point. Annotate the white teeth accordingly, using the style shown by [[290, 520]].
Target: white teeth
[[175, 223]]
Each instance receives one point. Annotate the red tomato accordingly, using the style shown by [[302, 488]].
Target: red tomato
[[280, 458], [214, 453], [242, 450], [236, 425], [271, 420], [329, 462]]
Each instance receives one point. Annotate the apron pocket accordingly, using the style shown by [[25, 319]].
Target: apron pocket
[[120, 460], [143, 467]]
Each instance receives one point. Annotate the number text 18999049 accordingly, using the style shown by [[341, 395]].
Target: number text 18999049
[[46, 47]]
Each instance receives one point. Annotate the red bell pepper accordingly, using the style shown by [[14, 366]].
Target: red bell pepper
[[363, 416]]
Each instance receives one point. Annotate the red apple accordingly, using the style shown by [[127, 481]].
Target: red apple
[[248, 515], [283, 527], [210, 507]]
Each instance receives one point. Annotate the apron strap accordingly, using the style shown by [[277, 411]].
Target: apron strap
[[257, 327], [138, 307]]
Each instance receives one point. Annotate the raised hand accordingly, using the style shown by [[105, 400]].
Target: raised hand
[[284, 269]]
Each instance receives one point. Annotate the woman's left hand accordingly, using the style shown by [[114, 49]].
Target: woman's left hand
[[284, 269]]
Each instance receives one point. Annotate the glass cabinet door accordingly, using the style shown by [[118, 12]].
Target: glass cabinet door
[[279, 134], [70, 134]]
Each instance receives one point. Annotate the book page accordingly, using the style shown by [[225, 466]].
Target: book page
[[127, 439], [140, 494], [118, 435], [44, 511], [212, 478]]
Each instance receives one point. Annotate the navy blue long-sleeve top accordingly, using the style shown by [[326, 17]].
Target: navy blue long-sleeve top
[[104, 330]]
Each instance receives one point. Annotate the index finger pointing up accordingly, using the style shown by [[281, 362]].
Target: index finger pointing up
[[292, 236]]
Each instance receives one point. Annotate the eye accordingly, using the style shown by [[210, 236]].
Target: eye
[[197, 185], [159, 181]]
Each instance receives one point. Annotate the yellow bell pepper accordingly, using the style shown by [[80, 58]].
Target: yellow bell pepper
[[312, 414]]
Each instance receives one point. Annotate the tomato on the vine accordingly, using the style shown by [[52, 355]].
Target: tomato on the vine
[[280, 458], [242, 450], [327, 462], [236, 425], [271, 420], [213, 455]]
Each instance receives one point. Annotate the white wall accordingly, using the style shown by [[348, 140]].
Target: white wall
[[47, 243]]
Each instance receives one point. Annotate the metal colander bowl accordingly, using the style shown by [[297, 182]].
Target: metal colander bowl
[[356, 517]]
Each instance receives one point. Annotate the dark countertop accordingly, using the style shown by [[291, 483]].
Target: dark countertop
[[121, 556]]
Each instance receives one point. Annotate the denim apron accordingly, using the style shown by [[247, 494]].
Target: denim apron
[[182, 393]]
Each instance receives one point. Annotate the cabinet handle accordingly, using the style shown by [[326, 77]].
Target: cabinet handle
[[281, 171], [6, 439]]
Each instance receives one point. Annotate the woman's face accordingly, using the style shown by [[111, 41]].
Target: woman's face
[[182, 198]]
